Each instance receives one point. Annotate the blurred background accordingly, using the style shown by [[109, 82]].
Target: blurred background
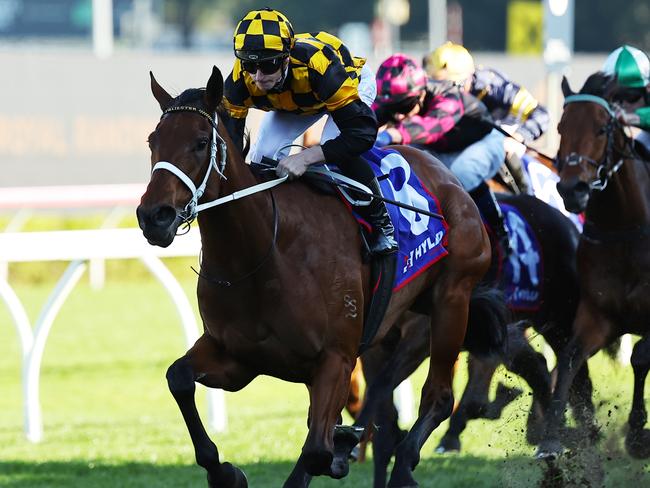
[[76, 107]]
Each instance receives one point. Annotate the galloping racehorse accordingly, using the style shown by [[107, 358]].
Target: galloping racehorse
[[389, 363], [601, 174], [279, 271]]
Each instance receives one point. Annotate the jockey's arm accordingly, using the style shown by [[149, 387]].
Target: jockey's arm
[[358, 131]]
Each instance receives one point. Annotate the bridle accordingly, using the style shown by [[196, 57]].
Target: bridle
[[603, 169], [606, 167], [217, 143], [192, 208]]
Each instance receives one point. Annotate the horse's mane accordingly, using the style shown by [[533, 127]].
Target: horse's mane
[[600, 84], [194, 97]]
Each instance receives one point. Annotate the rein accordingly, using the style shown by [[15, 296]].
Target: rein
[[193, 207]]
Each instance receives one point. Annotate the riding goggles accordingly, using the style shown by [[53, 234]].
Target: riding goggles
[[267, 67]]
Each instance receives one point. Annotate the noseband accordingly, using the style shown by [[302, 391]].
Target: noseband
[[605, 168]]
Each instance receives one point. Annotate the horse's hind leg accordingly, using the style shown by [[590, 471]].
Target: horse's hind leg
[[328, 393], [524, 361], [205, 364], [473, 403], [637, 440], [448, 326]]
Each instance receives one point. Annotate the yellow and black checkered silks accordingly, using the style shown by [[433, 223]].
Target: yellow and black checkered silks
[[322, 77], [264, 30]]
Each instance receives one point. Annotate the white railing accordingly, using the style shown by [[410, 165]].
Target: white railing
[[81, 247]]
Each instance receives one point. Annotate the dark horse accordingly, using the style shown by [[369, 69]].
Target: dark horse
[[602, 175], [280, 272], [402, 351]]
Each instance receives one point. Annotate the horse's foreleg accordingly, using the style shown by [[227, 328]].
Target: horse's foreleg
[[591, 333], [637, 440], [204, 364], [473, 403], [448, 327]]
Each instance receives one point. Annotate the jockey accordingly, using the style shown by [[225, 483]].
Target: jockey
[[439, 117], [509, 103], [296, 79], [631, 67]]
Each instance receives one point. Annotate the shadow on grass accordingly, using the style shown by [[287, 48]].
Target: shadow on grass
[[437, 471], [444, 472]]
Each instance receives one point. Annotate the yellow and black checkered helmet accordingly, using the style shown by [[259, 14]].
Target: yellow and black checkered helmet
[[263, 34]]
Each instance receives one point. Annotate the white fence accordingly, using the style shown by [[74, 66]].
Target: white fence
[[81, 247]]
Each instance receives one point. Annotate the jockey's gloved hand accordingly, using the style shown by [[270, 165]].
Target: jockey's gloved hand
[[383, 139]]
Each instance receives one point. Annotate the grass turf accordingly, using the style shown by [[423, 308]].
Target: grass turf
[[109, 420]]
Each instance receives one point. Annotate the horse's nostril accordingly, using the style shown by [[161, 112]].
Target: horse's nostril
[[581, 188], [163, 216]]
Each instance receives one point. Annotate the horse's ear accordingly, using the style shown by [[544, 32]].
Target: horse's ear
[[159, 93], [566, 89], [214, 90]]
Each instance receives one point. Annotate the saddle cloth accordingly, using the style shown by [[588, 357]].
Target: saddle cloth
[[422, 239], [520, 275]]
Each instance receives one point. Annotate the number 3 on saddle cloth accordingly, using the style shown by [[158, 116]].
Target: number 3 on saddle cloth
[[422, 239]]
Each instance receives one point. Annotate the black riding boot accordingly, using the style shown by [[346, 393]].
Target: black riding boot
[[489, 208], [383, 233], [382, 240]]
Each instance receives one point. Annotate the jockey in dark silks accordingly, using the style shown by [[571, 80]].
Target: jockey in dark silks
[[297, 79], [443, 119], [511, 105]]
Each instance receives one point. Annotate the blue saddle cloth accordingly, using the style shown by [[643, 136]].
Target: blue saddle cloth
[[421, 238], [520, 275]]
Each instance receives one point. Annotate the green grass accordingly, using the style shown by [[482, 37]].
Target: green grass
[[109, 420]]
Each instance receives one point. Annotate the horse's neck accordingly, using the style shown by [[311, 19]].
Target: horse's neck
[[625, 203], [236, 235]]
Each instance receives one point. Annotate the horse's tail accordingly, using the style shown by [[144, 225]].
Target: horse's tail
[[489, 316]]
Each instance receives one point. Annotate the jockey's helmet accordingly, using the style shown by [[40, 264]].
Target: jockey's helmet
[[263, 35], [399, 78], [449, 62], [630, 65]]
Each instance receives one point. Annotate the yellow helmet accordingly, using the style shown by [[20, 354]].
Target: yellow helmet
[[449, 62]]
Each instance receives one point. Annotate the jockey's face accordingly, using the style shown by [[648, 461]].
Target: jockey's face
[[398, 116], [265, 81]]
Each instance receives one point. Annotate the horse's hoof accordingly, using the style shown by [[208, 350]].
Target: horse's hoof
[[230, 476], [549, 450], [445, 450], [637, 444], [448, 444], [354, 454]]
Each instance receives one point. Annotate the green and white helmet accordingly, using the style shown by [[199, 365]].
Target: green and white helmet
[[630, 65]]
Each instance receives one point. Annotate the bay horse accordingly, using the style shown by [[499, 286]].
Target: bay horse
[[395, 358], [280, 271], [602, 175]]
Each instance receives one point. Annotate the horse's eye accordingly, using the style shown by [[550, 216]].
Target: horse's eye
[[602, 131], [202, 143]]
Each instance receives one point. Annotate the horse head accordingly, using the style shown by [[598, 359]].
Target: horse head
[[588, 130], [187, 152]]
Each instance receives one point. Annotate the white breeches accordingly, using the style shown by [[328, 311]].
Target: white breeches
[[278, 130]]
